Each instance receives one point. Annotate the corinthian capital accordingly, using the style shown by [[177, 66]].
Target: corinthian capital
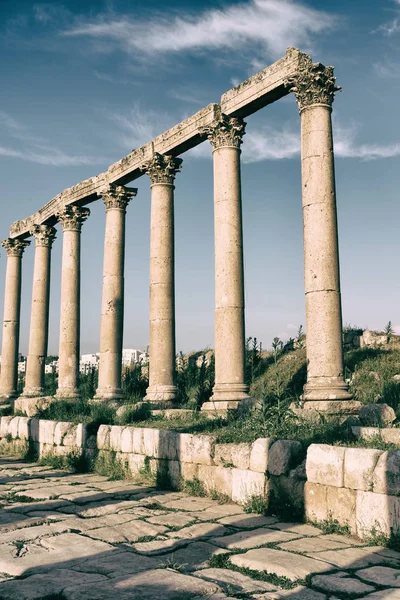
[[44, 235], [225, 131], [117, 196], [14, 246], [162, 168], [313, 84], [72, 217]]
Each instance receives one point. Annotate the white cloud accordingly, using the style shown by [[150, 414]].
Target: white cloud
[[387, 69], [272, 25], [140, 126], [393, 26]]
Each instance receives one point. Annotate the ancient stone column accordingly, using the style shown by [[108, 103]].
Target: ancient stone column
[[226, 136], [39, 329], [162, 170], [71, 219], [116, 199], [11, 325], [326, 390]]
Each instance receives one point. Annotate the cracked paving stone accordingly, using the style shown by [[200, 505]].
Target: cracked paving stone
[[161, 546], [126, 532], [10, 521], [117, 564], [50, 515], [193, 505], [97, 522], [297, 593], [341, 583], [315, 544], [251, 539], [389, 594], [172, 519], [194, 557], [248, 521], [236, 581], [358, 558], [27, 507], [100, 509], [302, 529], [33, 533], [381, 576], [198, 531], [61, 550], [283, 564], [36, 587], [148, 585]]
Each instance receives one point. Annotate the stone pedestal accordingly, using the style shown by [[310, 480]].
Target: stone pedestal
[[162, 390], [226, 137], [11, 324], [326, 389], [116, 199], [71, 219], [39, 328]]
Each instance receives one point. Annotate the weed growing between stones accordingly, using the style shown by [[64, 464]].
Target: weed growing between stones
[[222, 561], [256, 504], [108, 465], [74, 461], [331, 525], [378, 538], [170, 563], [194, 487]]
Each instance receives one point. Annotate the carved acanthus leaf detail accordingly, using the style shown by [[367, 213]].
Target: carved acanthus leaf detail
[[225, 131], [44, 235], [14, 246], [162, 168], [313, 84], [117, 196], [72, 217]]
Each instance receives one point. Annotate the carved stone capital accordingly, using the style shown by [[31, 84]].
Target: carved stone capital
[[226, 131], [14, 246], [162, 168], [117, 196], [72, 217], [313, 84], [44, 235]]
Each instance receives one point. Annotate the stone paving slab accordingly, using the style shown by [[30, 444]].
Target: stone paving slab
[[100, 540]]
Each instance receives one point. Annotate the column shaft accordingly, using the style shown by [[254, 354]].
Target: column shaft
[[326, 389], [116, 199], [162, 388], [11, 324], [39, 328], [68, 365]]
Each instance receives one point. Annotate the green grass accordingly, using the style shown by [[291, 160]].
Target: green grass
[[331, 525], [108, 465], [222, 561], [256, 504], [73, 461]]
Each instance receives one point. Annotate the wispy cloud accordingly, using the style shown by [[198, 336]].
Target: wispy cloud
[[272, 25], [387, 69], [140, 125], [393, 26], [36, 149]]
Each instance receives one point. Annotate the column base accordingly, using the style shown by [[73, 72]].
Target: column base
[[30, 406], [330, 407], [328, 389], [164, 395], [222, 408], [33, 392], [103, 395], [6, 397], [230, 392], [67, 394]]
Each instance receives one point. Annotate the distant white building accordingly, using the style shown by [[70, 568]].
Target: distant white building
[[131, 356], [51, 367], [89, 362]]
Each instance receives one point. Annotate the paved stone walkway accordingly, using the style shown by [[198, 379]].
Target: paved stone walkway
[[81, 537]]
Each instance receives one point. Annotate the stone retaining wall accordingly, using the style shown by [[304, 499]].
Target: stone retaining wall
[[358, 487], [239, 471]]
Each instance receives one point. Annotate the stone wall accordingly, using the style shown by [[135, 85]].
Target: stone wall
[[239, 471], [358, 487]]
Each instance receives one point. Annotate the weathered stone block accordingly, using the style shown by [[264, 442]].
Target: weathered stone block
[[81, 436], [341, 504], [198, 449], [136, 462], [281, 456], [325, 465], [151, 442], [216, 478], [189, 471], [127, 439], [5, 426], [115, 438], [377, 415], [13, 426], [377, 513], [46, 431], [23, 428], [259, 455], [386, 477], [168, 444], [236, 455], [315, 501], [60, 431], [359, 465], [103, 437], [246, 484], [137, 441]]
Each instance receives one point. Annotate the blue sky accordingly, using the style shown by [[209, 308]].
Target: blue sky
[[85, 82]]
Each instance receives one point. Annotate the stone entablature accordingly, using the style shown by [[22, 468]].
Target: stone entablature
[[248, 97]]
